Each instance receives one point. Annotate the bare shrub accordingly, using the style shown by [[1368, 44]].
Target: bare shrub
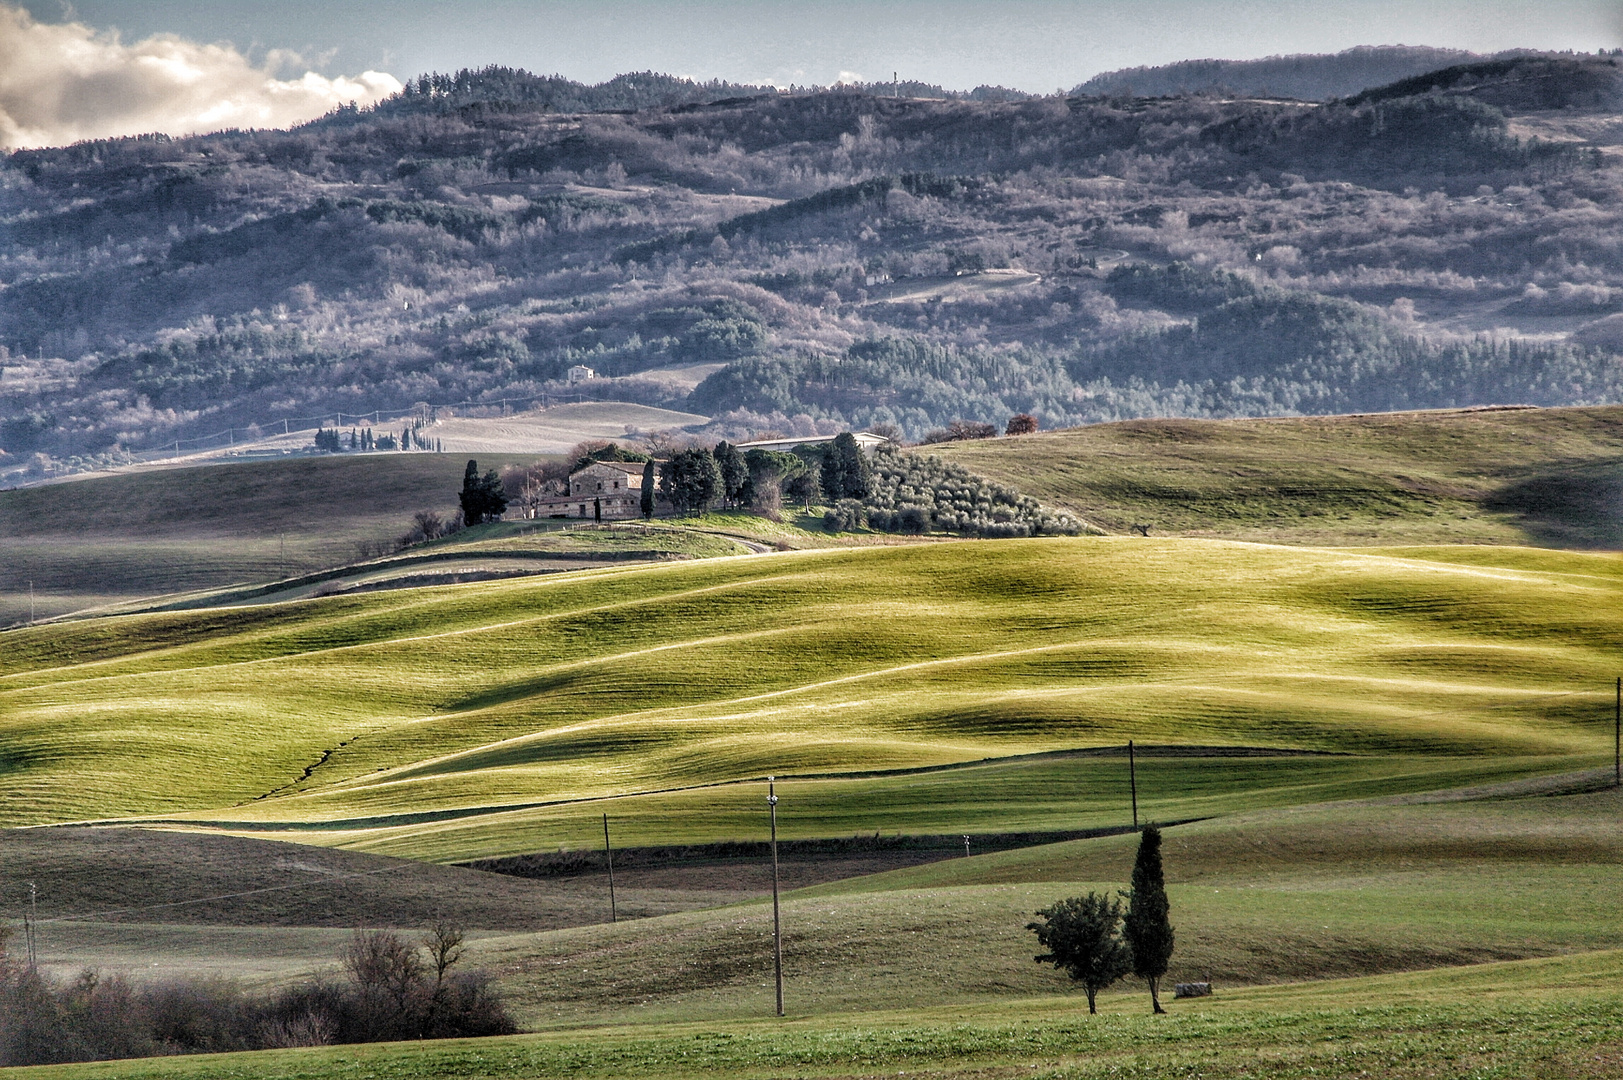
[[393, 989]]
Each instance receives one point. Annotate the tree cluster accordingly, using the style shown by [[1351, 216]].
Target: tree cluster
[[1093, 940], [911, 493], [390, 988], [483, 498]]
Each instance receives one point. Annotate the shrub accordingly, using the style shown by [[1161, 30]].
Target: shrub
[[847, 515], [390, 992], [1021, 424]]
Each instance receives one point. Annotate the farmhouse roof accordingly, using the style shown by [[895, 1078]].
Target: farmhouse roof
[[633, 468]]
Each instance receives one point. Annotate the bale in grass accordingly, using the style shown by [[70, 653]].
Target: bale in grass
[[1082, 936]]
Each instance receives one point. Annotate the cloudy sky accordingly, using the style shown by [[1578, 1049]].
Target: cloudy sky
[[106, 67]]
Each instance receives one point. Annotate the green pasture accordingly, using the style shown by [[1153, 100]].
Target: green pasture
[[1545, 1018], [1012, 795], [111, 540], [1272, 896], [1551, 477], [612, 682]]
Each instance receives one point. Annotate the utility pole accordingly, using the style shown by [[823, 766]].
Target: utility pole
[[609, 852], [1617, 736], [30, 601], [1132, 778], [777, 924], [33, 910]]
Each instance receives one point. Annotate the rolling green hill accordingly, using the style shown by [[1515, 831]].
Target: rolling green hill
[[113, 539], [929, 969], [1550, 477], [365, 712]]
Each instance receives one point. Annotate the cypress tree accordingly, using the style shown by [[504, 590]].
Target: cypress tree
[[1148, 926], [734, 473], [472, 497], [648, 490]]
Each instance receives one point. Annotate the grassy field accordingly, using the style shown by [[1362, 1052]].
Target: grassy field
[[1019, 795], [1384, 764], [112, 539], [1550, 477], [1265, 897], [1326, 893], [615, 682], [1546, 1018]]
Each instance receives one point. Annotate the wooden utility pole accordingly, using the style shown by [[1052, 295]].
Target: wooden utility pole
[[33, 920], [1132, 778], [609, 853], [777, 924]]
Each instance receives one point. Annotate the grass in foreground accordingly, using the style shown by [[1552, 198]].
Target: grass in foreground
[[1551, 1018], [610, 682]]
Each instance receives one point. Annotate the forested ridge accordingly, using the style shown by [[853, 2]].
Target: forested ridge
[[813, 260]]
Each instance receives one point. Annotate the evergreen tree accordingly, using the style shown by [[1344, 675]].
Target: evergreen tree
[[734, 473], [846, 472], [1082, 935], [482, 497], [690, 480], [1147, 925], [648, 490]]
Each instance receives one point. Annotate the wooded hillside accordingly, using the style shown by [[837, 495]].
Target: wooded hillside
[[820, 260]]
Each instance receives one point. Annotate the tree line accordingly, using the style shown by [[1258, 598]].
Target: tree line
[[386, 988], [1097, 942]]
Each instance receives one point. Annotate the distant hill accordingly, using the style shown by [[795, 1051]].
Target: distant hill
[[1306, 76], [1550, 477], [813, 261], [1518, 83]]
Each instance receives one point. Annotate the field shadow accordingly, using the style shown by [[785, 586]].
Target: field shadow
[[1580, 506]]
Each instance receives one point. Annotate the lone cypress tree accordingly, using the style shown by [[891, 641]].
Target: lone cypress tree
[[648, 490], [1147, 926]]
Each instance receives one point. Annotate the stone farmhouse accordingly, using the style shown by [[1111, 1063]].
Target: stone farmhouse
[[602, 491]]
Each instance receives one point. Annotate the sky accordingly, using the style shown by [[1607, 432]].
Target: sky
[[92, 68]]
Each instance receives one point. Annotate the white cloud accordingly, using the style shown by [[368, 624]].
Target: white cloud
[[62, 82]]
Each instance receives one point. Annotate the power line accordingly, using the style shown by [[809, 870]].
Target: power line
[[220, 896]]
